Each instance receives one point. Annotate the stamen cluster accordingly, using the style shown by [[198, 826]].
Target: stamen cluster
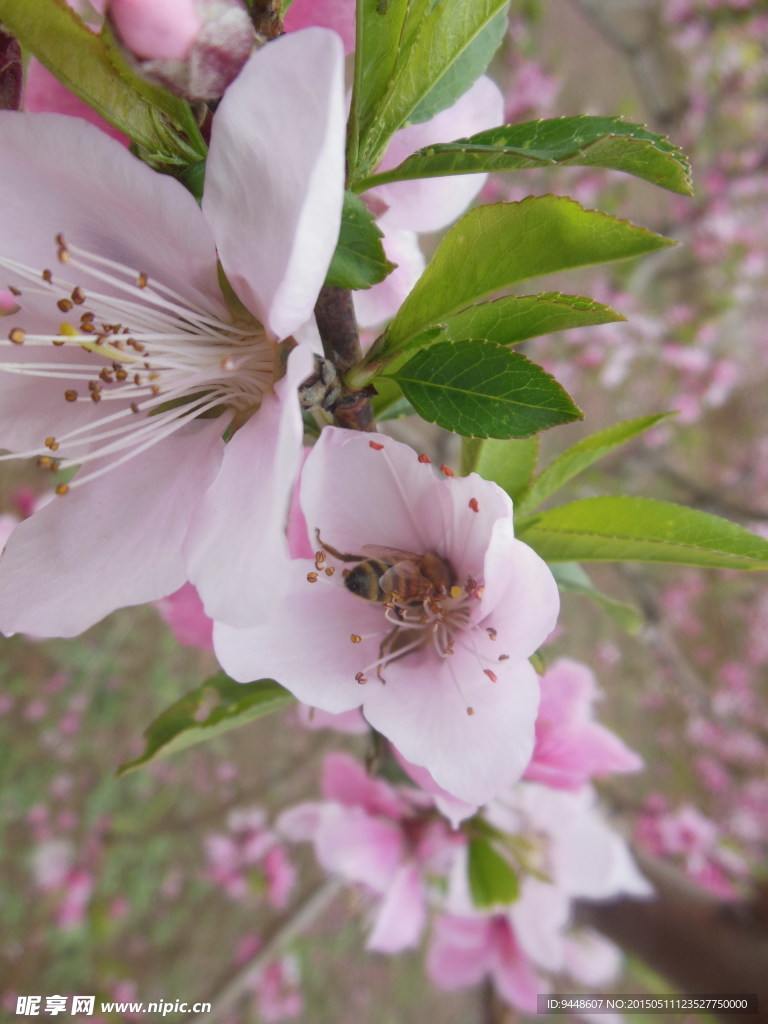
[[155, 358]]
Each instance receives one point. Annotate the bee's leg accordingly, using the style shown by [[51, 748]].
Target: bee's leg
[[384, 650], [336, 554]]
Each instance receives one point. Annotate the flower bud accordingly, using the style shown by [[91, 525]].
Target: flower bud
[[194, 47]]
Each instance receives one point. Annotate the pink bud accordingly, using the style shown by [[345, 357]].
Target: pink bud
[[156, 29], [194, 47]]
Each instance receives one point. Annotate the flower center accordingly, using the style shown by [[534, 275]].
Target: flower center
[[149, 358], [423, 607]]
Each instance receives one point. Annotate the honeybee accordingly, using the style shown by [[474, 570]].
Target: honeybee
[[393, 577]]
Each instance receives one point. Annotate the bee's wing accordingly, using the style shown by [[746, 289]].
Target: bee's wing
[[389, 554], [404, 578]]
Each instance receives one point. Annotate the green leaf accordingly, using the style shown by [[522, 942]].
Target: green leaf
[[388, 402], [465, 71], [492, 879], [92, 67], [620, 529], [379, 34], [571, 577], [493, 247], [405, 48], [516, 318], [579, 457], [217, 706], [359, 260], [581, 141], [480, 389], [510, 463]]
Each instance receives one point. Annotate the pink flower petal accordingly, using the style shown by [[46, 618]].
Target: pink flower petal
[[84, 554], [346, 781], [424, 714], [338, 15], [236, 548], [375, 305], [300, 823], [461, 951], [514, 975], [44, 93], [454, 810], [310, 652], [389, 479], [184, 615], [360, 848], [110, 204], [539, 918], [428, 204], [402, 914], [275, 176], [570, 748], [521, 598]]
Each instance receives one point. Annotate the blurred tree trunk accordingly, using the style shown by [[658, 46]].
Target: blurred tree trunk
[[702, 944]]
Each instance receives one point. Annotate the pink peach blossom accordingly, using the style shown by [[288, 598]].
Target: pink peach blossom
[[465, 950], [160, 498], [382, 838], [571, 748], [445, 675], [571, 853]]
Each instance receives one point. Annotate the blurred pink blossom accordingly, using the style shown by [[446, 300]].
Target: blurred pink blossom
[[249, 858], [183, 613], [571, 748], [385, 839]]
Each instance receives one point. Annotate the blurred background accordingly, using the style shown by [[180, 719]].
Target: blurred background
[[156, 885]]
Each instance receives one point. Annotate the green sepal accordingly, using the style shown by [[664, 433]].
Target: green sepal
[[492, 880]]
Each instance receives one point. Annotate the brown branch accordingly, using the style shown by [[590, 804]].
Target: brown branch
[[336, 322], [10, 72], [700, 943]]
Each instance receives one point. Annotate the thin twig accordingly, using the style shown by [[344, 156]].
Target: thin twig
[[636, 30], [307, 912]]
